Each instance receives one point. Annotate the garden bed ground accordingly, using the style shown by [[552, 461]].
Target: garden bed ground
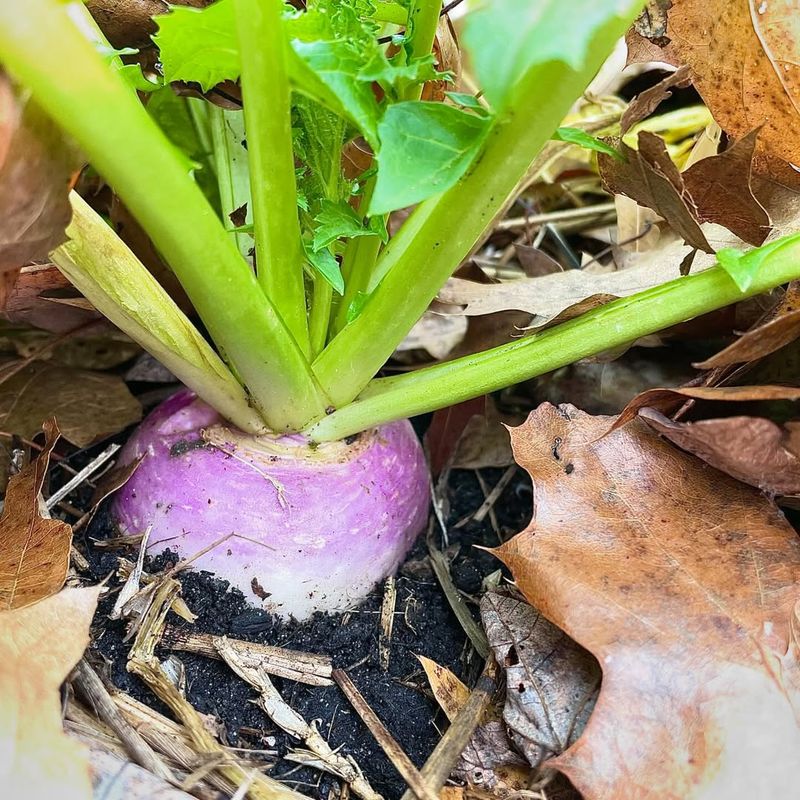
[[424, 625]]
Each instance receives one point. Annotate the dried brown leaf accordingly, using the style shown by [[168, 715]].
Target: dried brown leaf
[[435, 333], [447, 54], [721, 192], [743, 58], [551, 682], [669, 400], [489, 760], [35, 174], [535, 262], [446, 429], [652, 22], [649, 176], [450, 693], [753, 450], [682, 582], [782, 328], [34, 550], [39, 646], [27, 297], [88, 405], [646, 102], [560, 295], [485, 441]]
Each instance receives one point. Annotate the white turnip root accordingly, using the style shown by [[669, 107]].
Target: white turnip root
[[314, 528]]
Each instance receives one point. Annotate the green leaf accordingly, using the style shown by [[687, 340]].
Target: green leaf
[[508, 38], [466, 100], [326, 265], [587, 141], [337, 221], [337, 65], [131, 73], [391, 73], [425, 149], [199, 45]]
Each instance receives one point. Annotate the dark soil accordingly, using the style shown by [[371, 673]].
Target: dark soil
[[424, 625]]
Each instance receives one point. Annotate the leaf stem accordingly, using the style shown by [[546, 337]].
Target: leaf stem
[[230, 165], [268, 121], [320, 313], [43, 48], [358, 262], [617, 323], [423, 20]]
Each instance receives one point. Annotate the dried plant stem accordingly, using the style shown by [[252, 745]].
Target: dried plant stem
[[467, 621], [286, 718], [402, 763], [445, 755], [262, 787], [387, 622], [89, 684], [295, 665]]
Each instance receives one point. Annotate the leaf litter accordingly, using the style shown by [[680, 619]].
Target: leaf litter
[[686, 600]]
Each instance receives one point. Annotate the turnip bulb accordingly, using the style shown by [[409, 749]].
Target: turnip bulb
[[312, 527]]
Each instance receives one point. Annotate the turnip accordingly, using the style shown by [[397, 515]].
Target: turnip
[[305, 297], [312, 527]]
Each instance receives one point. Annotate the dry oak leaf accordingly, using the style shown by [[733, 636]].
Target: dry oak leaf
[[649, 176], [34, 550], [560, 296], [714, 189], [39, 646], [669, 400], [646, 102], [721, 191], [743, 59], [89, 405], [683, 583], [753, 450]]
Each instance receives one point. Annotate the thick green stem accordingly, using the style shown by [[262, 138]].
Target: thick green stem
[[45, 51], [268, 120], [617, 323], [443, 230], [230, 165], [423, 19]]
